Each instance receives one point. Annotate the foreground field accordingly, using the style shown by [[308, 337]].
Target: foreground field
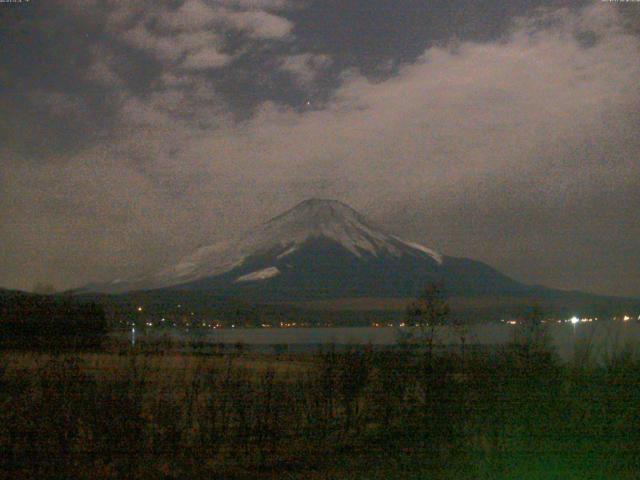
[[515, 413]]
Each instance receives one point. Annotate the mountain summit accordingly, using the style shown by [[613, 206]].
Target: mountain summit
[[318, 249], [336, 221]]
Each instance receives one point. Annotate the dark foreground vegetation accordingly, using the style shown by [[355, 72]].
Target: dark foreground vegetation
[[512, 413]]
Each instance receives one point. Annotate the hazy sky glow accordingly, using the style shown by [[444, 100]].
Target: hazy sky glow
[[508, 132]]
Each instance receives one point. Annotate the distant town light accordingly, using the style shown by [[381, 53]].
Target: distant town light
[[139, 309], [574, 320]]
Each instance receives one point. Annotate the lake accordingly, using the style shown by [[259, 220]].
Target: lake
[[602, 336]]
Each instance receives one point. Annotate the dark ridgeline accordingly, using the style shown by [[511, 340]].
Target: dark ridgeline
[[50, 321]]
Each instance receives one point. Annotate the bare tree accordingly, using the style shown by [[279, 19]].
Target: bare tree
[[531, 336], [429, 311]]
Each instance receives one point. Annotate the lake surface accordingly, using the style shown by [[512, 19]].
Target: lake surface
[[602, 336]]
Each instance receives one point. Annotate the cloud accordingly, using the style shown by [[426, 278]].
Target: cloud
[[164, 47], [305, 67], [58, 104], [274, 5], [457, 117], [102, 72], [192, 34], [259, 24], [205, 58], [192, 15], [496, 150]]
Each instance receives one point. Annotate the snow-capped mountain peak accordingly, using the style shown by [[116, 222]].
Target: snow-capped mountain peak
[[335, 221], [286, 234]]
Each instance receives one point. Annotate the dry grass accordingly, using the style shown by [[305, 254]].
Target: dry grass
[[351, 415], [109, 365]]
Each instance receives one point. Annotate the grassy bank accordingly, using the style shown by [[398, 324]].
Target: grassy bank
[[513, 413]]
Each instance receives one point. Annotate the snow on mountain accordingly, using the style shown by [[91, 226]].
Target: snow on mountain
[[313, 218], [285, 234], [259, 275], [338, 222], [432, 253], [208, 260]]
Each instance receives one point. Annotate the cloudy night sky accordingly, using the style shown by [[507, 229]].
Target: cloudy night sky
[[132, 132]]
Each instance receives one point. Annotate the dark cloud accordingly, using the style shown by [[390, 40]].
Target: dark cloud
[[135, 131], [370, 36]]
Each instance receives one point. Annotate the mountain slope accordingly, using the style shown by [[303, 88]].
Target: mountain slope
[[320, 249], [288, 233]]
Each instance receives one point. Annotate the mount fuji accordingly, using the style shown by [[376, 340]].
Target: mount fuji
[[320, 249]]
